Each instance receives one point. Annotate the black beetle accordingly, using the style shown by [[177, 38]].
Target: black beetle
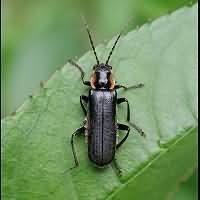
[[100, 126]]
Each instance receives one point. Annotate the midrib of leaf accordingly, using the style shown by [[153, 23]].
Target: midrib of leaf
[[162, 152], [145, 167]]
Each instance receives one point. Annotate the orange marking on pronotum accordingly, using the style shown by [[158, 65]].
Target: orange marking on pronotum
[[93, 80]]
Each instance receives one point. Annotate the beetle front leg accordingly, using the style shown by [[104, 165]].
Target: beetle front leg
[[83, 98], [139, 85], [81, 70], [76, 132]]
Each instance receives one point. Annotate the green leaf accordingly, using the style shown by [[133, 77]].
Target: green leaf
[[186, 188], [36, 151]]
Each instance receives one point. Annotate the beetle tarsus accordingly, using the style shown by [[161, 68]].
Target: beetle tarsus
[[74, 167], [139, 130], [116, 167]]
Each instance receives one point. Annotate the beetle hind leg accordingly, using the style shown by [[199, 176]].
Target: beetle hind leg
[[116, 167]]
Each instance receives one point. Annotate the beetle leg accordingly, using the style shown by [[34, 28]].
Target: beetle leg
[[139, 130], [83, 98], [116, 166], [139, 85], [123, 127], [76, 132], [81, 70], [122, 100]]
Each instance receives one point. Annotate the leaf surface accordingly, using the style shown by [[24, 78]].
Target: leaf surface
[[36, 151]]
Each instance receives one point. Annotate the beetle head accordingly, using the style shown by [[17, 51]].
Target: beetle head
[[102, 77]]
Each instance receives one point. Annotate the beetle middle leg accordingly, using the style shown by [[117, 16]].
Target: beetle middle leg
[[123, 127], [139, 130], [122, 100], [76, 132], [81, 70], [83, 98]]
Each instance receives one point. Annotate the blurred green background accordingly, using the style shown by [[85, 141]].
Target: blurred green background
[[40, 36]]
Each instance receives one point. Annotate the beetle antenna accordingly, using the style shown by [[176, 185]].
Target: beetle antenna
[[116, 41], [110, 54], [90, 37]]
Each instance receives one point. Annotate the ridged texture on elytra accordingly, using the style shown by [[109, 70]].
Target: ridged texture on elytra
[[102, 126]]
